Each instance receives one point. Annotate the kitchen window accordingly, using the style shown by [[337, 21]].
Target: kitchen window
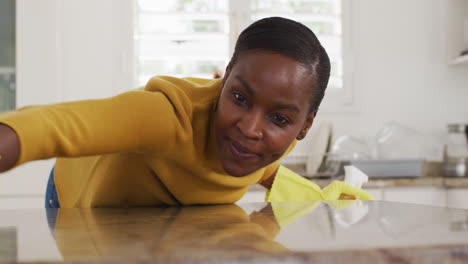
[[196, 37]]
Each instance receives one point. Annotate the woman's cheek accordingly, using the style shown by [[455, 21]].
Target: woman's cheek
[[227, 114], [279, 142], [232, 112]]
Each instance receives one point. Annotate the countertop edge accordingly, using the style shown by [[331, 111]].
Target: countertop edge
[[421, 254], [436, 182]]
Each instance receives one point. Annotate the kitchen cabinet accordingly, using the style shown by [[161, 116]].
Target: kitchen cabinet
[[437, 196], [457, 31], [457, 198], [23, 202], [377, 193], [417, 195]]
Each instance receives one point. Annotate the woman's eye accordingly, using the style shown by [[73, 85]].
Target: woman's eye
[[280, 120], [240, 98]]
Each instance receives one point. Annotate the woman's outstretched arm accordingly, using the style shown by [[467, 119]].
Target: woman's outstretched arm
[[9, 148]]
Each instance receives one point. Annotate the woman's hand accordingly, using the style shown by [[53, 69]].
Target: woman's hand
[[339, 190], [9, 148], [347, 197]]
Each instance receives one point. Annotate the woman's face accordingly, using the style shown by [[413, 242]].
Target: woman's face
[[263, 106]]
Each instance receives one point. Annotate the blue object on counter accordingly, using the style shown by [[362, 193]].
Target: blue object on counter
[[51, 197]]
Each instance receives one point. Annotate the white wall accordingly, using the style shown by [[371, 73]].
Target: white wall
[[67, 50], [401, 71], [96, 39], [36, 73], [72, 50]]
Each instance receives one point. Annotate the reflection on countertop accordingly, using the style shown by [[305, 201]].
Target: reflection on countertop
[[292, 232]]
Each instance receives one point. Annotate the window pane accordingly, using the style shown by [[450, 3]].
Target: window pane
[[323, 17], [179, 67], [323, 27], [163, 48], [165, 23], [182, 38], [191, 37], [183, 6], [7, 55], [298, 6]]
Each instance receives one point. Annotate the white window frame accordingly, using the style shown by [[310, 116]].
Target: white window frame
[[336, 100], [343, 100]]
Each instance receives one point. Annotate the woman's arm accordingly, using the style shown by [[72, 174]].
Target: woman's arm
[[9, 148], [132, 121]]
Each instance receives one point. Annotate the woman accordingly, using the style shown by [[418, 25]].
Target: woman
[[180, 141]]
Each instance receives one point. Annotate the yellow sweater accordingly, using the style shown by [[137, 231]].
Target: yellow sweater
[[153, 146]]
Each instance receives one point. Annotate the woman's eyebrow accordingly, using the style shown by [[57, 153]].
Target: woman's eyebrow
[[277, 105], [287, 106], [246, 85]]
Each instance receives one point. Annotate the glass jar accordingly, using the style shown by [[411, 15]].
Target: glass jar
[[456, 151]]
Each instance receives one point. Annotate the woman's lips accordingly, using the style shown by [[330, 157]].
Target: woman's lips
[[241, 152]]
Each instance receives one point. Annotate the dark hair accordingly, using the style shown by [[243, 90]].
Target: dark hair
[[290, 38]]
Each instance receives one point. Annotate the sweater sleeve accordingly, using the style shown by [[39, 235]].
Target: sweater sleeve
[[136, 120]]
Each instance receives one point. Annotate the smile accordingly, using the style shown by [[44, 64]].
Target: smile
[[240, 152]]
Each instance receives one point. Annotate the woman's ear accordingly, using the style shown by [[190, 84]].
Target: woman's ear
[[307, 125]]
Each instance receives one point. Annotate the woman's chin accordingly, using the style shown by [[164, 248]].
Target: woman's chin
[[236, 171]]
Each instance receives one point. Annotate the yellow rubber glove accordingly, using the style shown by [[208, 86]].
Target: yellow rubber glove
[[289, 186], [336, 188]]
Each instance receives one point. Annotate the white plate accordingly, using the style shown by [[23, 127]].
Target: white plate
[[319, 146]]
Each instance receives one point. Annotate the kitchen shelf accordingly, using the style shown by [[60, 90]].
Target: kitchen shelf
[[460, 60]]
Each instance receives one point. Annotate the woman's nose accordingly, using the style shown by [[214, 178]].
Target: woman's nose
[[252, 125]]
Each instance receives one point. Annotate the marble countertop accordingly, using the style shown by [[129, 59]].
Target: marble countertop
[[290, 232]]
